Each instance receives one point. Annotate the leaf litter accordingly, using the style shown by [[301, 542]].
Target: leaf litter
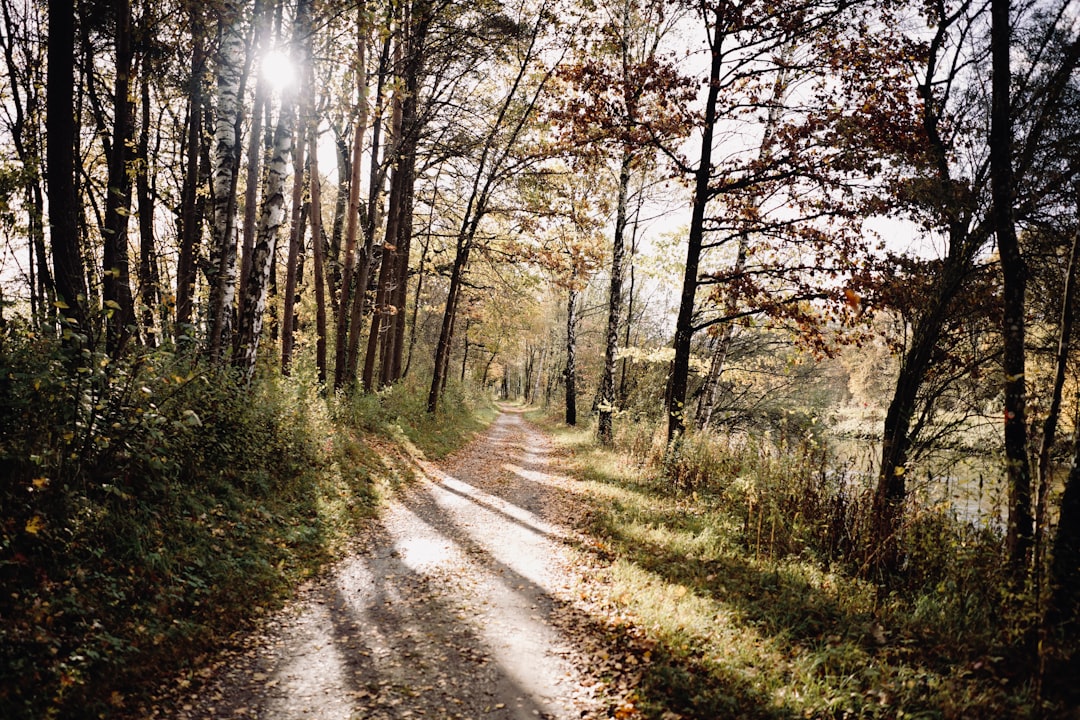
[[472, 597]]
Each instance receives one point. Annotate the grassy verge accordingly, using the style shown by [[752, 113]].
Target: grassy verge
[[745, 616], [150, 509]]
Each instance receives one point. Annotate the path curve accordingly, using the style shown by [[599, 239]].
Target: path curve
[[455, 607]]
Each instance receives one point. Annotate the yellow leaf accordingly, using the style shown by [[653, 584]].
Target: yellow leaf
[[41, 483], [899, 470], [35, 525]]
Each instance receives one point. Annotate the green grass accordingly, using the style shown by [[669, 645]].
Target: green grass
[[745, 626], [153, 508]]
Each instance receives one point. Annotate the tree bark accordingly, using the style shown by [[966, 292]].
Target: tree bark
[[227, 123], [190, 219], [272, 216], [296, 240], [303, 43], [319, 268], [149, 274], [255, 149], [1014, 274], [68, 270], [116, 285], [1053, 413], [571, 355], [604, 429], [344, 364], [684, 331]]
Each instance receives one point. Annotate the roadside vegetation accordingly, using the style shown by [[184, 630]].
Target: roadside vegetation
[[153, 507], [739, 562]]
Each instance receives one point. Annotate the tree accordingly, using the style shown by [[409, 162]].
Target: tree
[[191, 207], [627, 98], [68, 271], [798, 202], [493, 165], [222, 272], [116, 288], [25, 64], [348, 319], [272, 213], [948, 192]]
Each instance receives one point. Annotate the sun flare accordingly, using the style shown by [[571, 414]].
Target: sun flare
[[278, 69]]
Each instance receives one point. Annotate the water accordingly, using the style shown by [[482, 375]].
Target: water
[[970, 486]]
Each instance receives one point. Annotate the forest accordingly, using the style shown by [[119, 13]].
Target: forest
[[804, 268]]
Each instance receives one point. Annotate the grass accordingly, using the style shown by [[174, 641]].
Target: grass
[[152, 508], [747, 626]]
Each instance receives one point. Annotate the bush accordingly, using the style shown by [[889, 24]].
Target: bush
[[149, 505]]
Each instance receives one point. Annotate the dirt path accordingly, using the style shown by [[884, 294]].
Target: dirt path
[[459, 605]]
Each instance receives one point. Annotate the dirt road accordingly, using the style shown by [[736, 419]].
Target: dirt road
[[458, 605]]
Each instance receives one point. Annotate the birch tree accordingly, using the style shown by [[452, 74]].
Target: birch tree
[[272, 213], [222, 272]]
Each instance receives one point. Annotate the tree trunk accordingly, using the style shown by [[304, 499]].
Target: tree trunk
[[68, 271], [416, 304], [190, 220], [1053, 414], [256, 142], [26, 85], [296, 240], [396, 338], [149, 276], [1014, 275], [303, 44], [1063, 613], [319, 269], [344, 366], [684, 331], [272, 216], [116, 287], [386, 265], [571, 355], [604, 430], [897, 434], [222, 270]]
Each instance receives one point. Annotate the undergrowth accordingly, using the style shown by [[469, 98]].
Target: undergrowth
[[741, 560], [151, 507]]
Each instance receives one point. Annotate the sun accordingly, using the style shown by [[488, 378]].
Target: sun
[[278, 69]]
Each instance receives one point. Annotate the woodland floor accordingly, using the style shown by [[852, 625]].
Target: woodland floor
[[466, 599]]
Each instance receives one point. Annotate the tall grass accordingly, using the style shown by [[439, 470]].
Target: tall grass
[[740, 560], [152, 506]]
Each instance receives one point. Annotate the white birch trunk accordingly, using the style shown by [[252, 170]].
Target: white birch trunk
[[271, 218], [230, 71]]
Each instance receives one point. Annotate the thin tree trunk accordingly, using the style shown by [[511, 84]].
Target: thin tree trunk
[[1053, 414], [68, 271], [1014, 273], [475, 209], [571, 354], [344, 367], [227, 125], [319, 269], [303, 44], [116, 287], [396, 338], [376, 257], [604, 430], [684, 331], [296, 240], [190, 222], [272, 216], [386, 268], [255, 147], [149, 277], [416, 304]]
